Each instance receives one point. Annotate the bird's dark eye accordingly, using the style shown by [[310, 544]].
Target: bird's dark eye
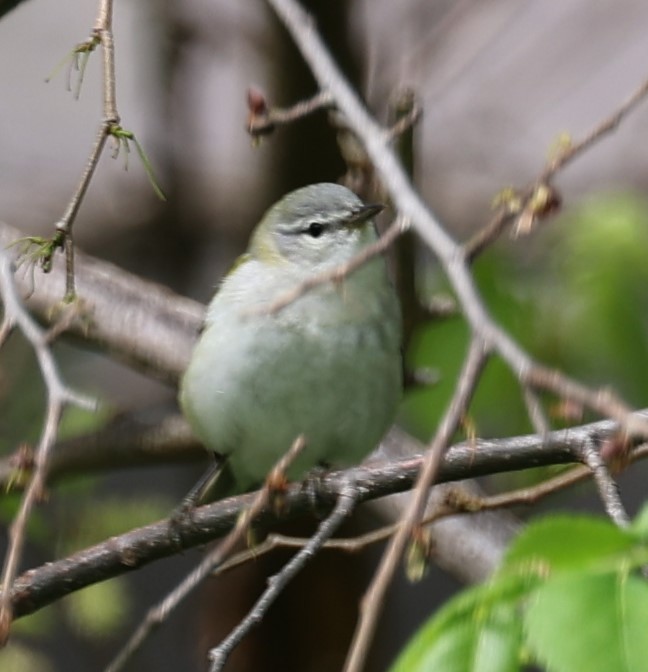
[[315, 229]]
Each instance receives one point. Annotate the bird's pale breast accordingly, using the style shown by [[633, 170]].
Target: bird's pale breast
[[329, 369]]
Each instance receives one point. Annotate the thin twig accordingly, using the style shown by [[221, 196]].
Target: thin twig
[[129, 551], [475, 245], [564, 156], [344, 507], [409, 119], [103, 29], [263, 119], [535, 411], [607, 125], [65, 223], [603, 401], [103, 32], [158, 614], [115, 300], [58, 396], [606, 485], [373, 599], [526, 208], [458, 500]]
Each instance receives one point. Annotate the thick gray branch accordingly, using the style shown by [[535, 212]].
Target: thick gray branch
[[139, 322], [43, 585]]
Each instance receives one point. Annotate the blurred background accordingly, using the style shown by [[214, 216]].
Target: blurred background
[[499, 82]]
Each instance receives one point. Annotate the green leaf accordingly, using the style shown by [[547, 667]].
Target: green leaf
[[487, 642], [479, 630], [77, 60], [593, 622], [599, 291], [77, 421], [569, 542], [123, 137], [640, 523]]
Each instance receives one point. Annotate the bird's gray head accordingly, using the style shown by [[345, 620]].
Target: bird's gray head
[[315, 226]]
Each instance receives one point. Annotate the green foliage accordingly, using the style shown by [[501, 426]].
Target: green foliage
[[34, 626], [575, 296], [123, 138], [590, 622], [479, 630], [569, 596], [99, 610], [600, 297], [76, 60], [77, 421], [18, 657], [640, 523], [568, 542], [39, 250]]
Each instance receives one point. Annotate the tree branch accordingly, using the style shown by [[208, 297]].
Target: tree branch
[[124, 553], [139, 322], [607, 487]]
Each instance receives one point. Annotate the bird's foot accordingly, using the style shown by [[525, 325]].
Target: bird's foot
[[313, 486]]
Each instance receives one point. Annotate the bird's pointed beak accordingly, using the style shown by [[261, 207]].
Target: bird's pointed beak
[[364, 213]]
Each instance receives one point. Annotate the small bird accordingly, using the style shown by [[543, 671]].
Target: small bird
[[326, 365]]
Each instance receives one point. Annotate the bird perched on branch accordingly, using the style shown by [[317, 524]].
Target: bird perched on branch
[[325, 365]]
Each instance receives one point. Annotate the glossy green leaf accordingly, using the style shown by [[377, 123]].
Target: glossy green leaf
[[593, 622], [479, 645], [640, 523], [478, 631], [569, 542]]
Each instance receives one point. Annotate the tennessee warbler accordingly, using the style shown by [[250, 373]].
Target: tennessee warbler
[[327, 365]]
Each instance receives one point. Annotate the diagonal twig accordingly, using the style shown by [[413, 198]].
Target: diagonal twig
[[102, 32], [58, 397], [344, 507], [211, 561], [374, 597], [607, 487], [43, 585]]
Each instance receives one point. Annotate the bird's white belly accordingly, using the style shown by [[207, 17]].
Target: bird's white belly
[[262, 383]]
